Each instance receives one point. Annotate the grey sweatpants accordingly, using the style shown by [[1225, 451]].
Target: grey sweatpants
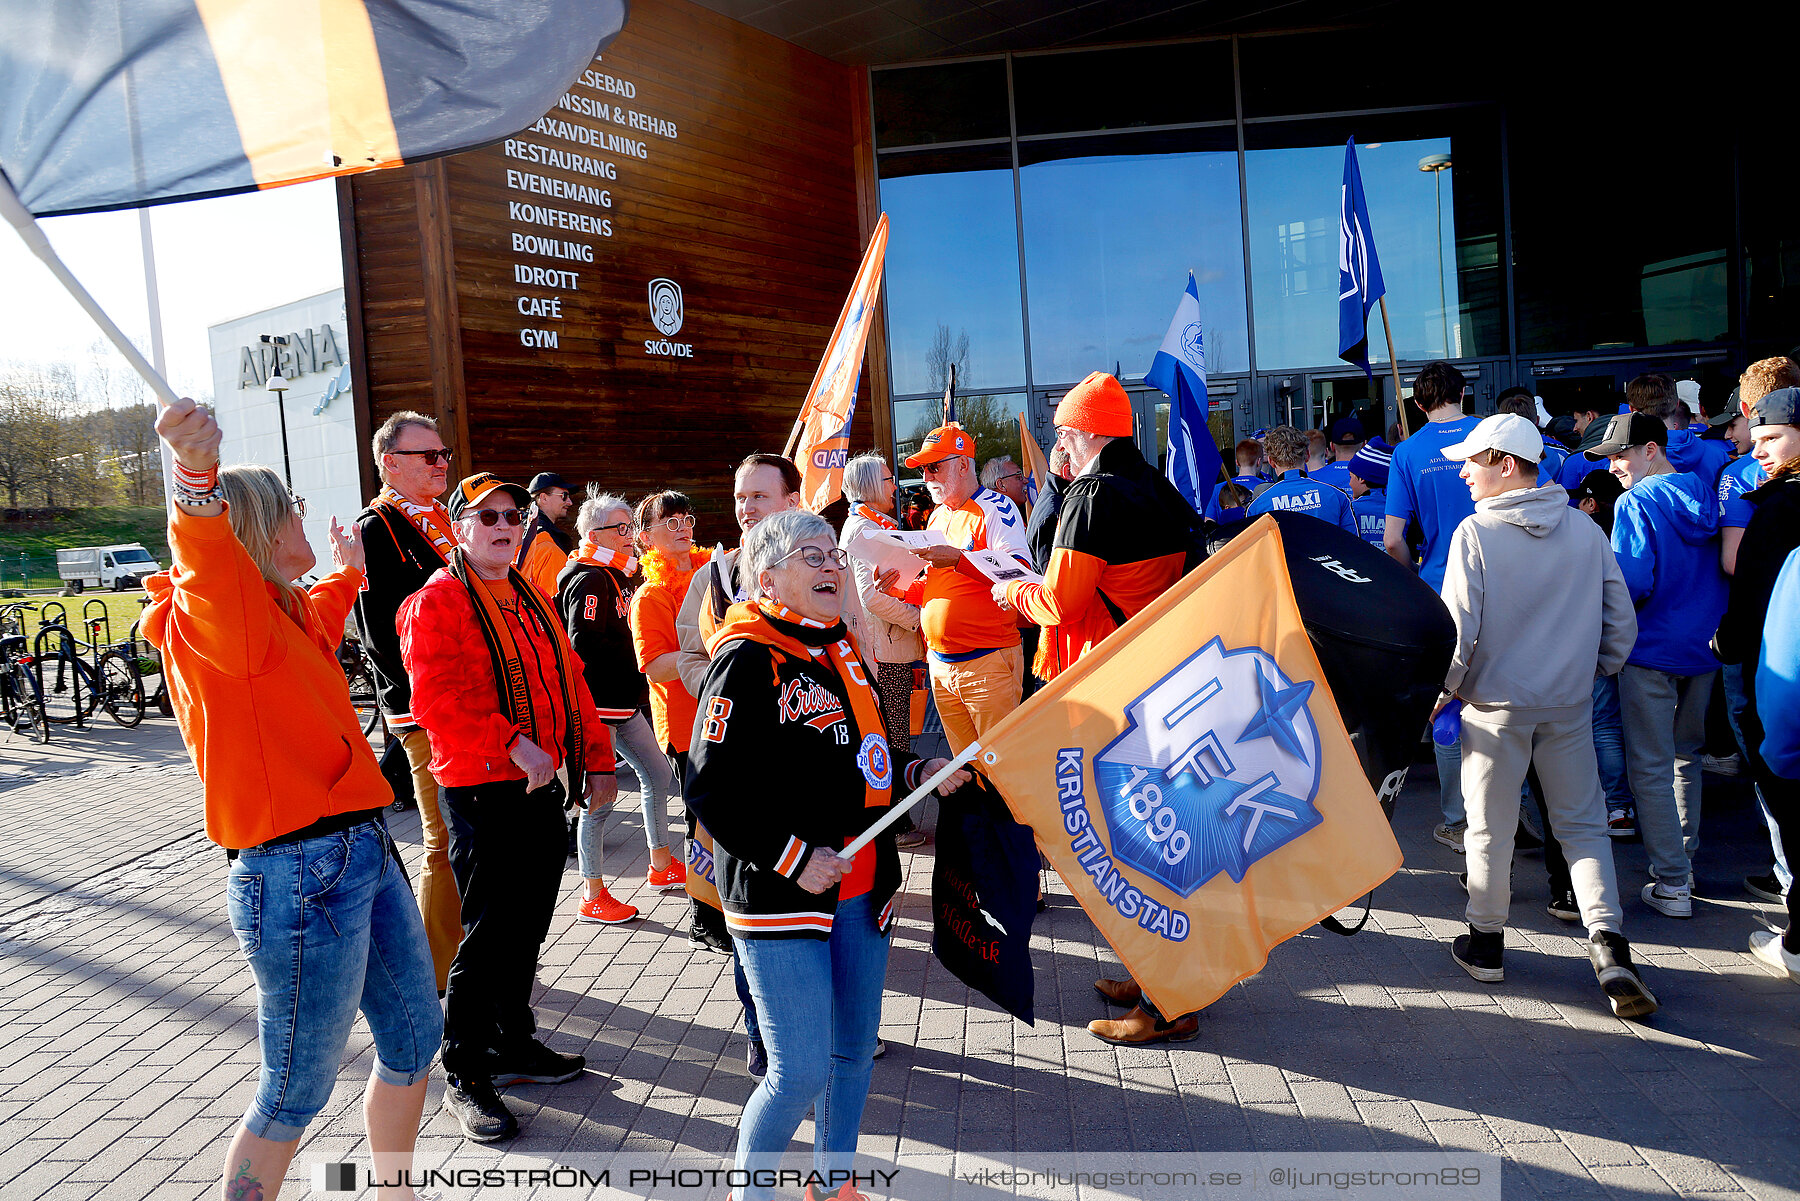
[[1495, 757], [1665, 724]]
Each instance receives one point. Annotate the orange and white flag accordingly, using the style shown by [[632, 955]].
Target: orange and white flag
[[1191, 781], [824, 423]]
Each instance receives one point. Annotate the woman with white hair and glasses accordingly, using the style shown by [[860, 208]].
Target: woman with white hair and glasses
[[885, 627], [790, 762], [593, 593], [315, 891]]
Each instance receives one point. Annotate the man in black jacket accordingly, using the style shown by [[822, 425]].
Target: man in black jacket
[[406, 535]]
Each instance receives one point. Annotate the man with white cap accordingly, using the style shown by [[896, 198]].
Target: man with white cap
[[1522, 569]]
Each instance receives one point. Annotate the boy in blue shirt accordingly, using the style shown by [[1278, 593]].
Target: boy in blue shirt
[[1655, 396], [1665, 536], [1368, 488], [1293, 492]]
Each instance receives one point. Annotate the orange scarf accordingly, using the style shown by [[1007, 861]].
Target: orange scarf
[[750, 620], [878, 517], [598, 556], [433, 520]]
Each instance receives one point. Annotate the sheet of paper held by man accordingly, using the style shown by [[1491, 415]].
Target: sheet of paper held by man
[[1001, 569], [885, 554]]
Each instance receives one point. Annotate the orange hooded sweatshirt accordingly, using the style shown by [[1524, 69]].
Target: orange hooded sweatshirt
[[260, 698]]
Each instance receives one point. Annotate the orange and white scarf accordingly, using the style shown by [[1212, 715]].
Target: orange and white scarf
[[598, 556], [877, 516], [432, 520]]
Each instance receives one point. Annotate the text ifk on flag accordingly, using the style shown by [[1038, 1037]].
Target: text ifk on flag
[[1191, 781], [1360, 285], [135, 102], [831, 400], [1179, 369]]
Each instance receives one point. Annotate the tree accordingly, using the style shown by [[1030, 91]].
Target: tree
[[945, 351]]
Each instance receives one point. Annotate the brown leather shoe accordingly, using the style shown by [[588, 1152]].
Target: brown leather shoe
[[1119, 992], [1139, 1028]]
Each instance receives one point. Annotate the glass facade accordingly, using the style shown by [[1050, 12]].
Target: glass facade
[[1046, 207]]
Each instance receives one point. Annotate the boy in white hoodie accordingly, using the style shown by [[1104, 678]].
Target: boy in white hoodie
[[1523, 567]]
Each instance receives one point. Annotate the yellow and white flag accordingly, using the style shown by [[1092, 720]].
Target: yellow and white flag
[[1191, 781]]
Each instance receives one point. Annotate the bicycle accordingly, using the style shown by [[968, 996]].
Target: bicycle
[[364, 697], [21, 705], [147, 654], [112, 682]]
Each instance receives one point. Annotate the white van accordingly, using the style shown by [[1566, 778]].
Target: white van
[[117, 567]]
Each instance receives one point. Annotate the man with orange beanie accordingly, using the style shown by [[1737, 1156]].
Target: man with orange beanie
[[1122, 538], [977, 668]]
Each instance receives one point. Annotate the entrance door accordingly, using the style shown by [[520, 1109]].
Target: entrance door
[[1600, 383], [1330, 397]]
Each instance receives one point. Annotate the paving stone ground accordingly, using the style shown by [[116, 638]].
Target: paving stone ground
[[128, 1053]]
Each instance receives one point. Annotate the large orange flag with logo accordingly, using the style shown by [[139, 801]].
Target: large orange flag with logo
[[823, 427], [1191, 781], [1032, 463]]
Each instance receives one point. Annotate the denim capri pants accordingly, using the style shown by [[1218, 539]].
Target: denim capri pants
[[330, 926]]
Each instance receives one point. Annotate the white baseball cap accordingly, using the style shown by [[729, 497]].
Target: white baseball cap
[[1507, 432]]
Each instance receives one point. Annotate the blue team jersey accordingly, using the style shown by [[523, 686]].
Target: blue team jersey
[[1741, 475], [1371, 515], [1294, 493], [1555, 455], [1578, 467], [1335, 474], [1422, 483]]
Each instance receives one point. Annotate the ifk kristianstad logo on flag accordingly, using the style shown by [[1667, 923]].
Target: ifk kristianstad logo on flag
[[1218, 768]]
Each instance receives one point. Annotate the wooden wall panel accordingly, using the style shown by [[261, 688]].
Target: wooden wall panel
[[749, 202]]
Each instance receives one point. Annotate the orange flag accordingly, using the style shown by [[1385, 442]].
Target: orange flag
[[1031, 457], [823, 427], [1191, 781], [701, 883]]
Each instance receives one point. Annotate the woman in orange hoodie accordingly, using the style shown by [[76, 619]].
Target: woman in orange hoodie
[[315, 891]]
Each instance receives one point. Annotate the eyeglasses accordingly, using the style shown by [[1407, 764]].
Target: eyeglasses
[[431, 457], [624, 528], [493, 517], [299, 503], [675, 525], [1017, 475], [815, 558]]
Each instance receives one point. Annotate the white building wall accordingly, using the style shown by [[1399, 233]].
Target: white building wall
[[322, 446]]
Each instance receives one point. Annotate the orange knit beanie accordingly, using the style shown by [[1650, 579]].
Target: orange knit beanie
[[1097, 405]]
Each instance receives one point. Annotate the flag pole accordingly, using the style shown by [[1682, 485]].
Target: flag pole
[[34, 238], [913, 798], [1394, 366]]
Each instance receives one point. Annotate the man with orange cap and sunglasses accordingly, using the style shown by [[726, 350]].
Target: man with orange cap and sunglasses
[[977, 666], [1122, 538]]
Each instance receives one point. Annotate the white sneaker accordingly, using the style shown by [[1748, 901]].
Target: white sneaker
[[1766, 946], [1670, 902], [1722, 765], [1451, 836]]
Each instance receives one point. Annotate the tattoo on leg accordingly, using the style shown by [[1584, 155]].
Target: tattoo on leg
[[243, 1186]]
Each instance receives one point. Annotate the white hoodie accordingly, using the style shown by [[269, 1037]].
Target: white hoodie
[[1540, 606]]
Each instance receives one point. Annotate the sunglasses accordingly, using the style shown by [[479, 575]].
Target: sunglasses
[[815, 558], [299, 505], [493, 517], [431, 457]]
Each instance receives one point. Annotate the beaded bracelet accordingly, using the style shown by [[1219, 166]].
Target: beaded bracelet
[[198, 481], [197, 498]]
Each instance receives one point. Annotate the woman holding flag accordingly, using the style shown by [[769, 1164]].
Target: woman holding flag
[[790, 762]]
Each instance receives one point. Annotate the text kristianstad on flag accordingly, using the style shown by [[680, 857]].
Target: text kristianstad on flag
[[1192, 783]]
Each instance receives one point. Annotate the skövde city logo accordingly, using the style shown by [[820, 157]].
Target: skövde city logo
[[665, 306], [1218, 768]]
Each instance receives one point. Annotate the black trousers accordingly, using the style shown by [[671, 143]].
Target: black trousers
[[507, 849], [1780, 794]]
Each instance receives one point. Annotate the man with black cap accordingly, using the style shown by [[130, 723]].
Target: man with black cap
[[1347, 437], [499, 688], [1589, 429], [544, 549], [1665, 534], [1521, 570]]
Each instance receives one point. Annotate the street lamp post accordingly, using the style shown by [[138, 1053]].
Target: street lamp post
[[279, 387], [1437, 164]]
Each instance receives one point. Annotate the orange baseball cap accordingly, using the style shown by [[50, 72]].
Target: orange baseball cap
[[473, 490], [941, 443]]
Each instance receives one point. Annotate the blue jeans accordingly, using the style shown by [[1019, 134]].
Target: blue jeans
[[329, 927], [820, 1008], [1736, 701], [1450, 797], [636, 744], [1609, 742]]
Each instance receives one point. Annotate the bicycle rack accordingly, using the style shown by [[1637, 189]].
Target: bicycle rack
[[61, 617], [98, 628], [69, 662]]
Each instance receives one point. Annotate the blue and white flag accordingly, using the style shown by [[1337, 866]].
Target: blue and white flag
[[1180, 370], [1359, 271]]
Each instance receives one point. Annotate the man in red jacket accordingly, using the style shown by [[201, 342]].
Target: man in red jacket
[[498, 687]]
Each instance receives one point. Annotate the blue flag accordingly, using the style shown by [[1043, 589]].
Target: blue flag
[[1180, 370], [1359, 271]]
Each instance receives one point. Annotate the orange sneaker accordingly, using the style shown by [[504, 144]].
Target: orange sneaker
[[606, 911], [846, 1193], [672, 878]]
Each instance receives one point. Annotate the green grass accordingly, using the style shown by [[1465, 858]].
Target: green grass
[[122, 607], [84, 527]]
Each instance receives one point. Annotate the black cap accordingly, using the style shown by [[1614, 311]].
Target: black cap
[[1600, 485], [1348, 431], [1627, 430], [472, 490], [543, 481], [1780, 407]]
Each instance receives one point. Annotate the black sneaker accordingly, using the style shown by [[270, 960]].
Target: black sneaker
[[712, 940], [1619, 978], [1479, 954], [756, 1059], [534, 1063], [1765, 888], [478, 1109], [1563, 905]]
